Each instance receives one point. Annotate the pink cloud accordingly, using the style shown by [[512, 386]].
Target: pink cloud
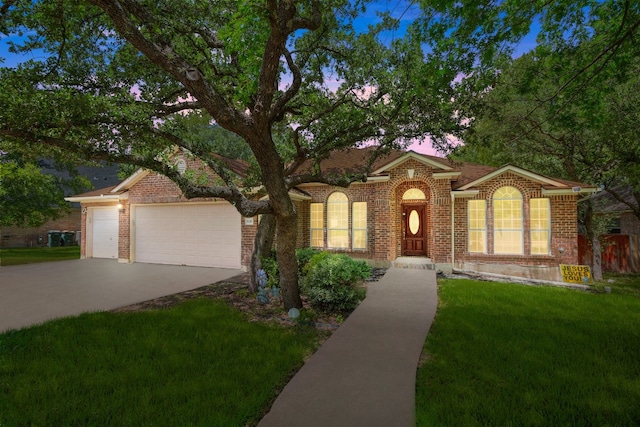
[[424, 146]]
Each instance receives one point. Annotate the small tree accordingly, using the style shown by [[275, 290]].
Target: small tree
[[29, 198]]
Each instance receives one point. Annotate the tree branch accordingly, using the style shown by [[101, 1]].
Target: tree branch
[[163, 55], [233, 195]]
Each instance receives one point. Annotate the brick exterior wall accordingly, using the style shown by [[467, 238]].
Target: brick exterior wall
[[384, 212], [158, 189], [28, 237], [564, 226], [384, 204], [564, 230], [124, 231], [384, 218]]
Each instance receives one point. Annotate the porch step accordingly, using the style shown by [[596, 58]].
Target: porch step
[[413, 262]]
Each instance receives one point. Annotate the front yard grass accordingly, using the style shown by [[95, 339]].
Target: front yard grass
[[31, 255], [628, 284], [199, 363], [504, 354]]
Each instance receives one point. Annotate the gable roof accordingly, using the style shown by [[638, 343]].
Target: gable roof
[[465, 175], [485, 176], [237, 166], [100, 194]]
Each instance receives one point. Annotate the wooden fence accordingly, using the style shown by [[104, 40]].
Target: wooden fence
[[619, 253]]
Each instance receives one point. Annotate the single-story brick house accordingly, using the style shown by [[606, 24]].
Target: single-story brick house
[[464, 216]]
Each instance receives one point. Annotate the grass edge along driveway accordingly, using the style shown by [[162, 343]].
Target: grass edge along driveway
[[505, 354], [200, 363], [19, 256]]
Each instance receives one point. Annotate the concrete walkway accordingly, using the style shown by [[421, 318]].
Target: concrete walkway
[[364, 374], [34, 293]]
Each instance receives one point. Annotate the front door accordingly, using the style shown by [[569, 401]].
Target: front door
[[414, 233]]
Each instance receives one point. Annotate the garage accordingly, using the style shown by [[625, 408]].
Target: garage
[[104, 231], [207, 234]]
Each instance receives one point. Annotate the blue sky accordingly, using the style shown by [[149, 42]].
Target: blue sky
[[11, 59]]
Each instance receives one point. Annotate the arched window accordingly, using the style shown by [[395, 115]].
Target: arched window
[[507, 221], [413, 194], [338, 221]]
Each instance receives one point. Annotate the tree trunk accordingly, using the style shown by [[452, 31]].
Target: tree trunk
[[593, 234], [262, 245], [596, 268], [271, 169], [286, 237]]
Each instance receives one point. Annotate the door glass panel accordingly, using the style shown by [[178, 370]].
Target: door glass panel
[[414, 222]]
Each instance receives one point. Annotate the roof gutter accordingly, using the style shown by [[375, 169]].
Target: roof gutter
[[98, 199]]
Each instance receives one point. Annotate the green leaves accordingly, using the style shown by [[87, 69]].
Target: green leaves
[[29, 198]]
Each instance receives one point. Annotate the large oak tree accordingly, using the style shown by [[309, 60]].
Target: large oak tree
[[113, 75]]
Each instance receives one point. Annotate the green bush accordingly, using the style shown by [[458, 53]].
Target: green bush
[[332, 284], [303, 256], [315, 260], [270, 266]]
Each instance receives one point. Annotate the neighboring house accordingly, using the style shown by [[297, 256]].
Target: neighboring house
[[504, 220], [620, 249], [21, 237]]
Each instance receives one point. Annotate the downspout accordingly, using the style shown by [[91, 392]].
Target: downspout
[[453, 229]]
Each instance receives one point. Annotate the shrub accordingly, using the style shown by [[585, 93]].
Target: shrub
[[270, 266], [333, 282], [303, 256], [315, 260]]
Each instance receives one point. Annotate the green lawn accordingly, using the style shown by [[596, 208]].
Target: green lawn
[[511, 355], [200, 363], [31, 255], [628, 284]]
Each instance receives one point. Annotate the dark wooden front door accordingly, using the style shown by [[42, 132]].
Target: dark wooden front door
[[414, 234]]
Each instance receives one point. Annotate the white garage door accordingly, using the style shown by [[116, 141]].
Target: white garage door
[[105, 233], [205, 235]]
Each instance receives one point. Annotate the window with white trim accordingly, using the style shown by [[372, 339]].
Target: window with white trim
[[507, 221], [477, 219], [540, 226], [359, 225], [317, 225], [338, 221]]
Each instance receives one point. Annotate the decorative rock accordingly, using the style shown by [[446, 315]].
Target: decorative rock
[[294, 313]]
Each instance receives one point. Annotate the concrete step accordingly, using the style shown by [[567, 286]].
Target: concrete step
[[420, 263]]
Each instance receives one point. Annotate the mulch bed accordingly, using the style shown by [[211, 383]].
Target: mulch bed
[[235, 292]]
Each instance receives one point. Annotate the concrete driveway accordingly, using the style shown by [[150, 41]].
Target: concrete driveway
[[34, 293]]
